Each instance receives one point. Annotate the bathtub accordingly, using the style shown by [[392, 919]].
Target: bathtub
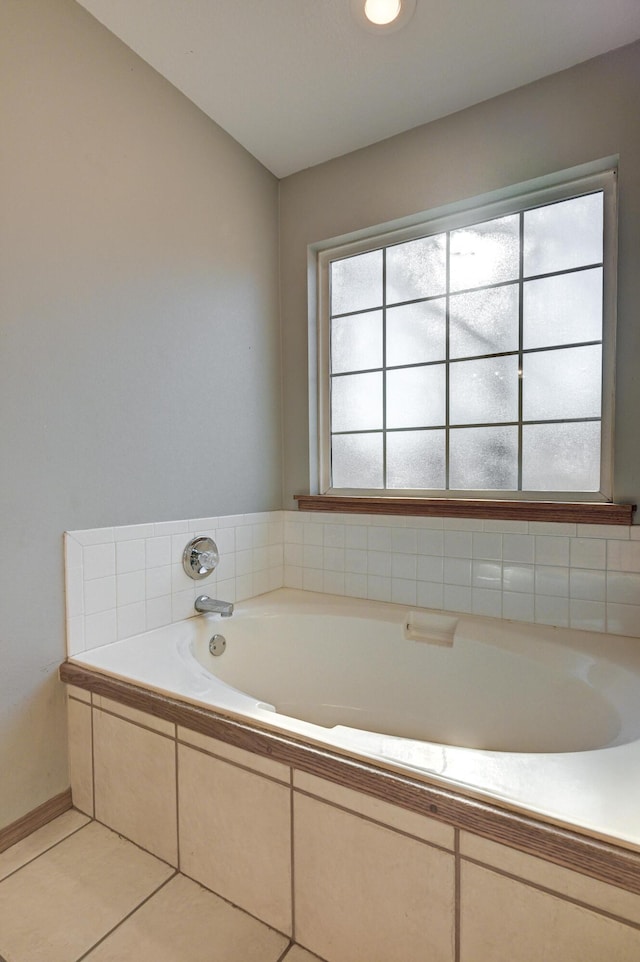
[[541, 721]]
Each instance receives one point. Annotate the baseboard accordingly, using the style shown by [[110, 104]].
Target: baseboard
[[35, 819]]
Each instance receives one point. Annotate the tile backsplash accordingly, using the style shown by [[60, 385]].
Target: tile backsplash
[[124, 580], [582, 576]]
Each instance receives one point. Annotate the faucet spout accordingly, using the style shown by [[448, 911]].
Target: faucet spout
[[205, 604]]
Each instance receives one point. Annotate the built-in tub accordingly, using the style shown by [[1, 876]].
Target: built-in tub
[[540, 720]]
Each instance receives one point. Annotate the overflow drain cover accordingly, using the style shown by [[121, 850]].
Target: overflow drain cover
[[217, 644]]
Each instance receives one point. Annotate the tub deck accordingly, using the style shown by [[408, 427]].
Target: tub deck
[[578, 809]]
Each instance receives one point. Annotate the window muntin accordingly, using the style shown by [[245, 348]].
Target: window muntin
[[470, 359]]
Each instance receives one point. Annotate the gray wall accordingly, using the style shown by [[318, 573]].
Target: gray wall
[[139, 340], [581, 115]]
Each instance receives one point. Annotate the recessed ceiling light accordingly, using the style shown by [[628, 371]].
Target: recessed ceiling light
[[382, 12], [383, 16]]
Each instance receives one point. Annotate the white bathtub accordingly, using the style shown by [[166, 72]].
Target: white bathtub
[[546, 721]]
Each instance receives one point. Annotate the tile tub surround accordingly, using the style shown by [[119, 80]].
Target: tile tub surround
[[124, 580], [584, 576], [384, 869]]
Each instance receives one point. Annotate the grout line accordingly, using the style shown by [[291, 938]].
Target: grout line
[[131, 841], [82, 701], [125, 918], [235, 905], [146, 728], [555, 893], [229, 761], [298, 945], [292, 854], [175, 728], [387, 825], [457, 898], [48, 849], [93, 763]]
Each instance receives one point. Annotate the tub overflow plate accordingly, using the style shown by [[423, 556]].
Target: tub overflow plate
[[217, 644]]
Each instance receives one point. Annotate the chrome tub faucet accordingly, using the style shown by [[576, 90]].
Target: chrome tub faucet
[[206, 604]]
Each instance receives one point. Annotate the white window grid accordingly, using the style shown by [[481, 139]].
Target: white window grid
[[517, 201]]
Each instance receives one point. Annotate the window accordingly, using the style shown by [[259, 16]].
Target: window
[[472, 356]]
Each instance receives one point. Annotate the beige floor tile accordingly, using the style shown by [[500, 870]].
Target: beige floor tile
[[135, 784], [235, 835], [364, 892], [59, 905], [507, 921], [298, 954], [40, 840], [185, 923]]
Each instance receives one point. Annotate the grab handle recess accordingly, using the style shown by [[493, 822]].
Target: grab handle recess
[[431, 629]]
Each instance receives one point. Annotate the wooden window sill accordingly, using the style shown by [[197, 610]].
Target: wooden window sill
[[587, 512]]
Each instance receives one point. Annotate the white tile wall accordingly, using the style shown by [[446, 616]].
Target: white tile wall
[[582, 576], [121, 581]]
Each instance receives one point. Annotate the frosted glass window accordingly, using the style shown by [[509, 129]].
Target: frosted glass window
[[357, 461], [356, 402], [562, 385], [417, 269], [561, 236], [356, 342], [416, 333], [561, 457], [484, 322], [356, 283], [416, 397], [474, 358], [485, 253], [484, 391], [565, 309], [416, 459], [484, 459]]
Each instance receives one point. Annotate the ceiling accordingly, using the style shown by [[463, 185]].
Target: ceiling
[[297, 82]]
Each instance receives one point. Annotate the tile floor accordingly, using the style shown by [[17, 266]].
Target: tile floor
[[74, 890]]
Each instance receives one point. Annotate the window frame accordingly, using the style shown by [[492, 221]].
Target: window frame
[[602, 177]]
